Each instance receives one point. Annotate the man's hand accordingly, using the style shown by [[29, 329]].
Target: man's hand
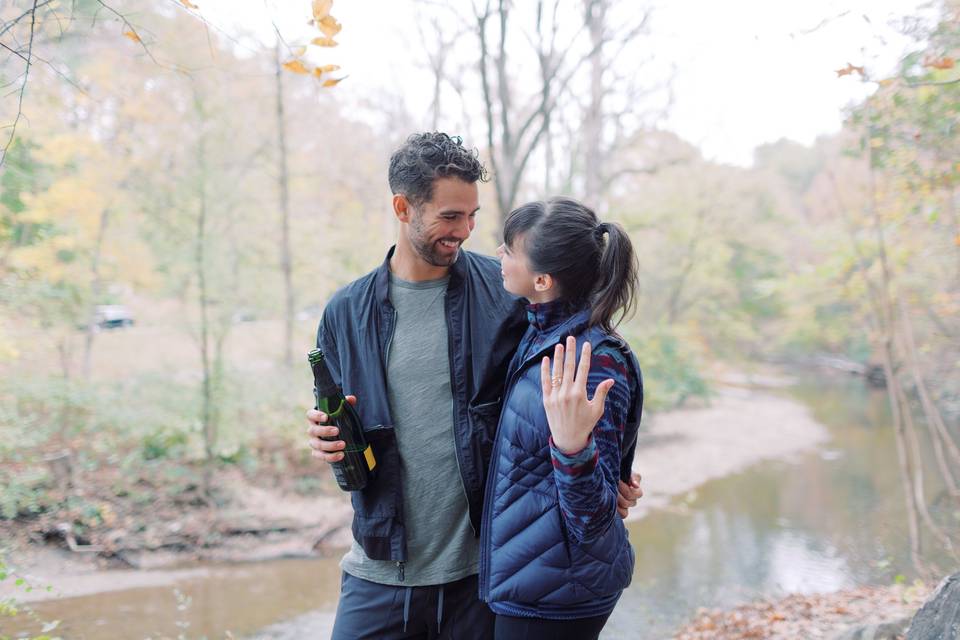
[[326, 450], [628, 495]]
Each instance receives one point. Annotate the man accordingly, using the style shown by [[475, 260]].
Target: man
[[424, 342]]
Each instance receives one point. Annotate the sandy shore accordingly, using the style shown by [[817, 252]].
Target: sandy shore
[[677, 452], [680, 450], [322, 522]]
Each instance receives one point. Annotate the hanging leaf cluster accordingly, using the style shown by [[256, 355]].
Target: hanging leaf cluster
[[329, 27]]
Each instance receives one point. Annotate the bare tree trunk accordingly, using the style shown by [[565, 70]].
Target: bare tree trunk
[[903, 458], [207, 407], [907, 441], [939, 435], [512, 137], [548, 160], [955, 219], [507, 142], [499, 181], [595, 15], [914, 442], [286, 262], [66, 416], [96, 290]]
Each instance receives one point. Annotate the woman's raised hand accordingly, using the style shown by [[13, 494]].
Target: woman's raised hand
[[570, 414]]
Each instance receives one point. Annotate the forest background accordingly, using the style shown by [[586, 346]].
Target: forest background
[[220, 189]]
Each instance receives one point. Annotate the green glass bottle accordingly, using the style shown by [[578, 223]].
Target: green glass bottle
[[353, 472]]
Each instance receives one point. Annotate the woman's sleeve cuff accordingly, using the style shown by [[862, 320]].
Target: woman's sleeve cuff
[[578, 463]]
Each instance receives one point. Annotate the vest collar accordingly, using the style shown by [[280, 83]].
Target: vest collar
[[544, 316]]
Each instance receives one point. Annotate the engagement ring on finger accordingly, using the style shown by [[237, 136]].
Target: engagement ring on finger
[[555, 381]]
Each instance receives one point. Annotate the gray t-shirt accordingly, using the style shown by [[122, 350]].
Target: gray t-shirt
[[441, 546]]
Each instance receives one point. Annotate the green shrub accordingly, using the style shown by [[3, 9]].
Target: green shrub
[[164, 443], [671, 369], [24, 493]]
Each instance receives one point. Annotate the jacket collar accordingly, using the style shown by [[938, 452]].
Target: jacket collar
[[544, 316], [563, 324], [458, 271]]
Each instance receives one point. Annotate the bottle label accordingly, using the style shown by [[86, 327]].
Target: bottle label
[[371, 461]]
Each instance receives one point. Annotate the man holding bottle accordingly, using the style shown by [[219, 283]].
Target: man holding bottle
[[423, 342]]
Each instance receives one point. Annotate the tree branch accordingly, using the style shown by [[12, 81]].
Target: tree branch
[[933, 84], [14, 52], [131, 28], [15, 21], [487, 100], [23, 87]]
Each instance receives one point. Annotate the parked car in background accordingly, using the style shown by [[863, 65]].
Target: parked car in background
[[112, 316]]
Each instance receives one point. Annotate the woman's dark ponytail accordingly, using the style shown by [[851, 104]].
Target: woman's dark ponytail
[[617, 288]]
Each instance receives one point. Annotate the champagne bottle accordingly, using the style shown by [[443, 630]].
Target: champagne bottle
[[354, 470]]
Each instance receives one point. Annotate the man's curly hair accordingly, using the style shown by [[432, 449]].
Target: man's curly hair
[[424, 157]]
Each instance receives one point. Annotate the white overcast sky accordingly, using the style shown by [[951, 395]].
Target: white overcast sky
[[747, 71]]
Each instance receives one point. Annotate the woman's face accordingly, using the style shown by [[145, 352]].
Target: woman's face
[[518, 278]]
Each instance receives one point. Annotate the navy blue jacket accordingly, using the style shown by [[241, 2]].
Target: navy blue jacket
[[535, 561], [484, 325]]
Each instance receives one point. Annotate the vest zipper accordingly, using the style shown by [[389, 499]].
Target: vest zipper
[[487, 514], [484, 573]]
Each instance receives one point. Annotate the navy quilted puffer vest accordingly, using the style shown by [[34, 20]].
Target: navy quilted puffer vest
[[529, 566]]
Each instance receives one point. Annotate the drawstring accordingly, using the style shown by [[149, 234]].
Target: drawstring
[[406, 608], [440, 609]]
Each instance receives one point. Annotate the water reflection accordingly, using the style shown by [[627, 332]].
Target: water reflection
[[239, 599], [817, 523]]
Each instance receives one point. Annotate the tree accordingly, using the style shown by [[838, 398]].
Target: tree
[[518, 122]]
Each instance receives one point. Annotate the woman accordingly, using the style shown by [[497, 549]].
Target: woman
[[554, 555]]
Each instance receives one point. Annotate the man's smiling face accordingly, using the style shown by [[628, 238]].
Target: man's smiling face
[[439, 226]]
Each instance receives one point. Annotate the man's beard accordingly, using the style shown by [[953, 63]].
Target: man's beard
[[429, 250]]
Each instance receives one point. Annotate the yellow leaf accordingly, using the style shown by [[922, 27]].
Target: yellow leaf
[[295, 66], [943, 63], [321, 9], [327, 68], [332, 82], [188, 4], [848, 70], [329, 26], [299, 51], [132, 35], [324, 42]]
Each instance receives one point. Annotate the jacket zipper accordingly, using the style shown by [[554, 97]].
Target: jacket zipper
[[456, 438], [386, 356], [386, 345], [484, 574]]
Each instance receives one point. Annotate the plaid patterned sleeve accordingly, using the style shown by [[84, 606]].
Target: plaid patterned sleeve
[[587, 480]]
